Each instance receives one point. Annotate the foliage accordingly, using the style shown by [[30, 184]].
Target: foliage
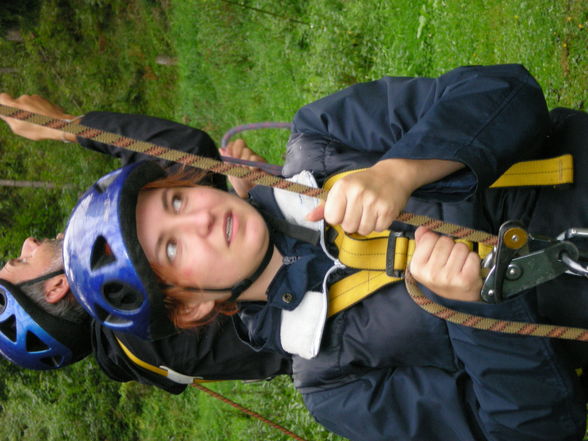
[[238, 61]]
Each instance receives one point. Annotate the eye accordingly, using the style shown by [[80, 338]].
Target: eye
[[176, 203], [171, 250], [17, 261]]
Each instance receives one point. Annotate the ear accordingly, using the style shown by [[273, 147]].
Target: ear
[[56, 288], [195, 310]]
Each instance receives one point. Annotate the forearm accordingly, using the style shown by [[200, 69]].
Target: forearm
[[486, 117], [415, 172]]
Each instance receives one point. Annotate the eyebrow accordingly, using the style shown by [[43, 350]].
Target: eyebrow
[[164, 199], [158, 244], [14, 262]]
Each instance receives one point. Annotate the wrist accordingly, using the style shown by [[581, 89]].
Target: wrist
[[414, 173], [403, 173]]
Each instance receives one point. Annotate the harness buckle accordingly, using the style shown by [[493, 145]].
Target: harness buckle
[[398, 253], [521, 261]]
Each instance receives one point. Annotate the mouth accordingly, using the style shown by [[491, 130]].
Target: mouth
[[229, 228]]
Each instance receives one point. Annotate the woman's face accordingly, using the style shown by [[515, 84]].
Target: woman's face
[[200, 236]]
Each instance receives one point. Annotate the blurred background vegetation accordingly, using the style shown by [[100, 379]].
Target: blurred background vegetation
[[214, 64]]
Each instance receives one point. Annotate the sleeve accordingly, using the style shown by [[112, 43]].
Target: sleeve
[[156, 130], [426, 403], [524, 389], [485, 117], [405, 403]]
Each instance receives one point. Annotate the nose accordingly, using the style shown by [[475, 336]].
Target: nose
[[29, 245], [199, 222]]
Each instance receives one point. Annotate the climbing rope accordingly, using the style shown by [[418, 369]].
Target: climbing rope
[[259, 177], [245, 410], [273, 169], [490, 324], [254, 126]]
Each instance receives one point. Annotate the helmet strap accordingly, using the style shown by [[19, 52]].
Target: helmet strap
[[238, 288], [40, 278]]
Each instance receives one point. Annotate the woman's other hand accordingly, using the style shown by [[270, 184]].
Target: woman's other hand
[[238, 149]]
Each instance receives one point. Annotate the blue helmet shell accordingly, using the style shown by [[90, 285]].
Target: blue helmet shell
[[32, 338], [104, 263]]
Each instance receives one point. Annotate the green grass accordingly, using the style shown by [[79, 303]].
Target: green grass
[[238, 62]]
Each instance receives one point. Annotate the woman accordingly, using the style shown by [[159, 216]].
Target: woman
[[382, 369]]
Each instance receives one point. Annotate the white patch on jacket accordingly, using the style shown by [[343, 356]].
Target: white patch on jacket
[[296, 206], [301, 329]]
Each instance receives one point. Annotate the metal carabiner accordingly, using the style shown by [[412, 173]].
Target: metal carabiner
[[574, 267]]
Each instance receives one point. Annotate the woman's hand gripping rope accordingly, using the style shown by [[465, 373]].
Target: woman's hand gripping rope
[[370, 200], [447, 268]]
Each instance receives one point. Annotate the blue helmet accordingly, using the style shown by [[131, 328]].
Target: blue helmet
[[32, 338], [105, 265], [107, 270]]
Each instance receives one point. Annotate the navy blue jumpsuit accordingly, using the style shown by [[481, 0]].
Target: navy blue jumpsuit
[[387, 370]]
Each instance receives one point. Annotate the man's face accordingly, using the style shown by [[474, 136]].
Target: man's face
[[36, 259]]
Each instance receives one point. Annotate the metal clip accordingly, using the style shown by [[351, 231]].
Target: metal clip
[[511, 238], [515, 268]]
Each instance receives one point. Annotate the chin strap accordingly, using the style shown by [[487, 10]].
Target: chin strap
[[40, 278], [238, 288]]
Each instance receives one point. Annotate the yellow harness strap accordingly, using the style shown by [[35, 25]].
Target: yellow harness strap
[[354, 288], [382, 257], [543, 172], [163, 371], [535, 173]]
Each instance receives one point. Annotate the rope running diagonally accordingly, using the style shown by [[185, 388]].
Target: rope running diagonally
[[259, 177], [245, 410]]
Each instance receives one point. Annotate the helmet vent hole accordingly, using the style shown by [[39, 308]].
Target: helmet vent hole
[[101, 254], [8, 328], [3, 301], [122, 296], [105, 182], [34, 343], [52, 362]]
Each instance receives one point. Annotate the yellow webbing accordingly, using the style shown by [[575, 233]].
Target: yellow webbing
[[535, 173], [351, 289], [553, 171], [140, 362], [152, 368], [368, 253], [362, 252]]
